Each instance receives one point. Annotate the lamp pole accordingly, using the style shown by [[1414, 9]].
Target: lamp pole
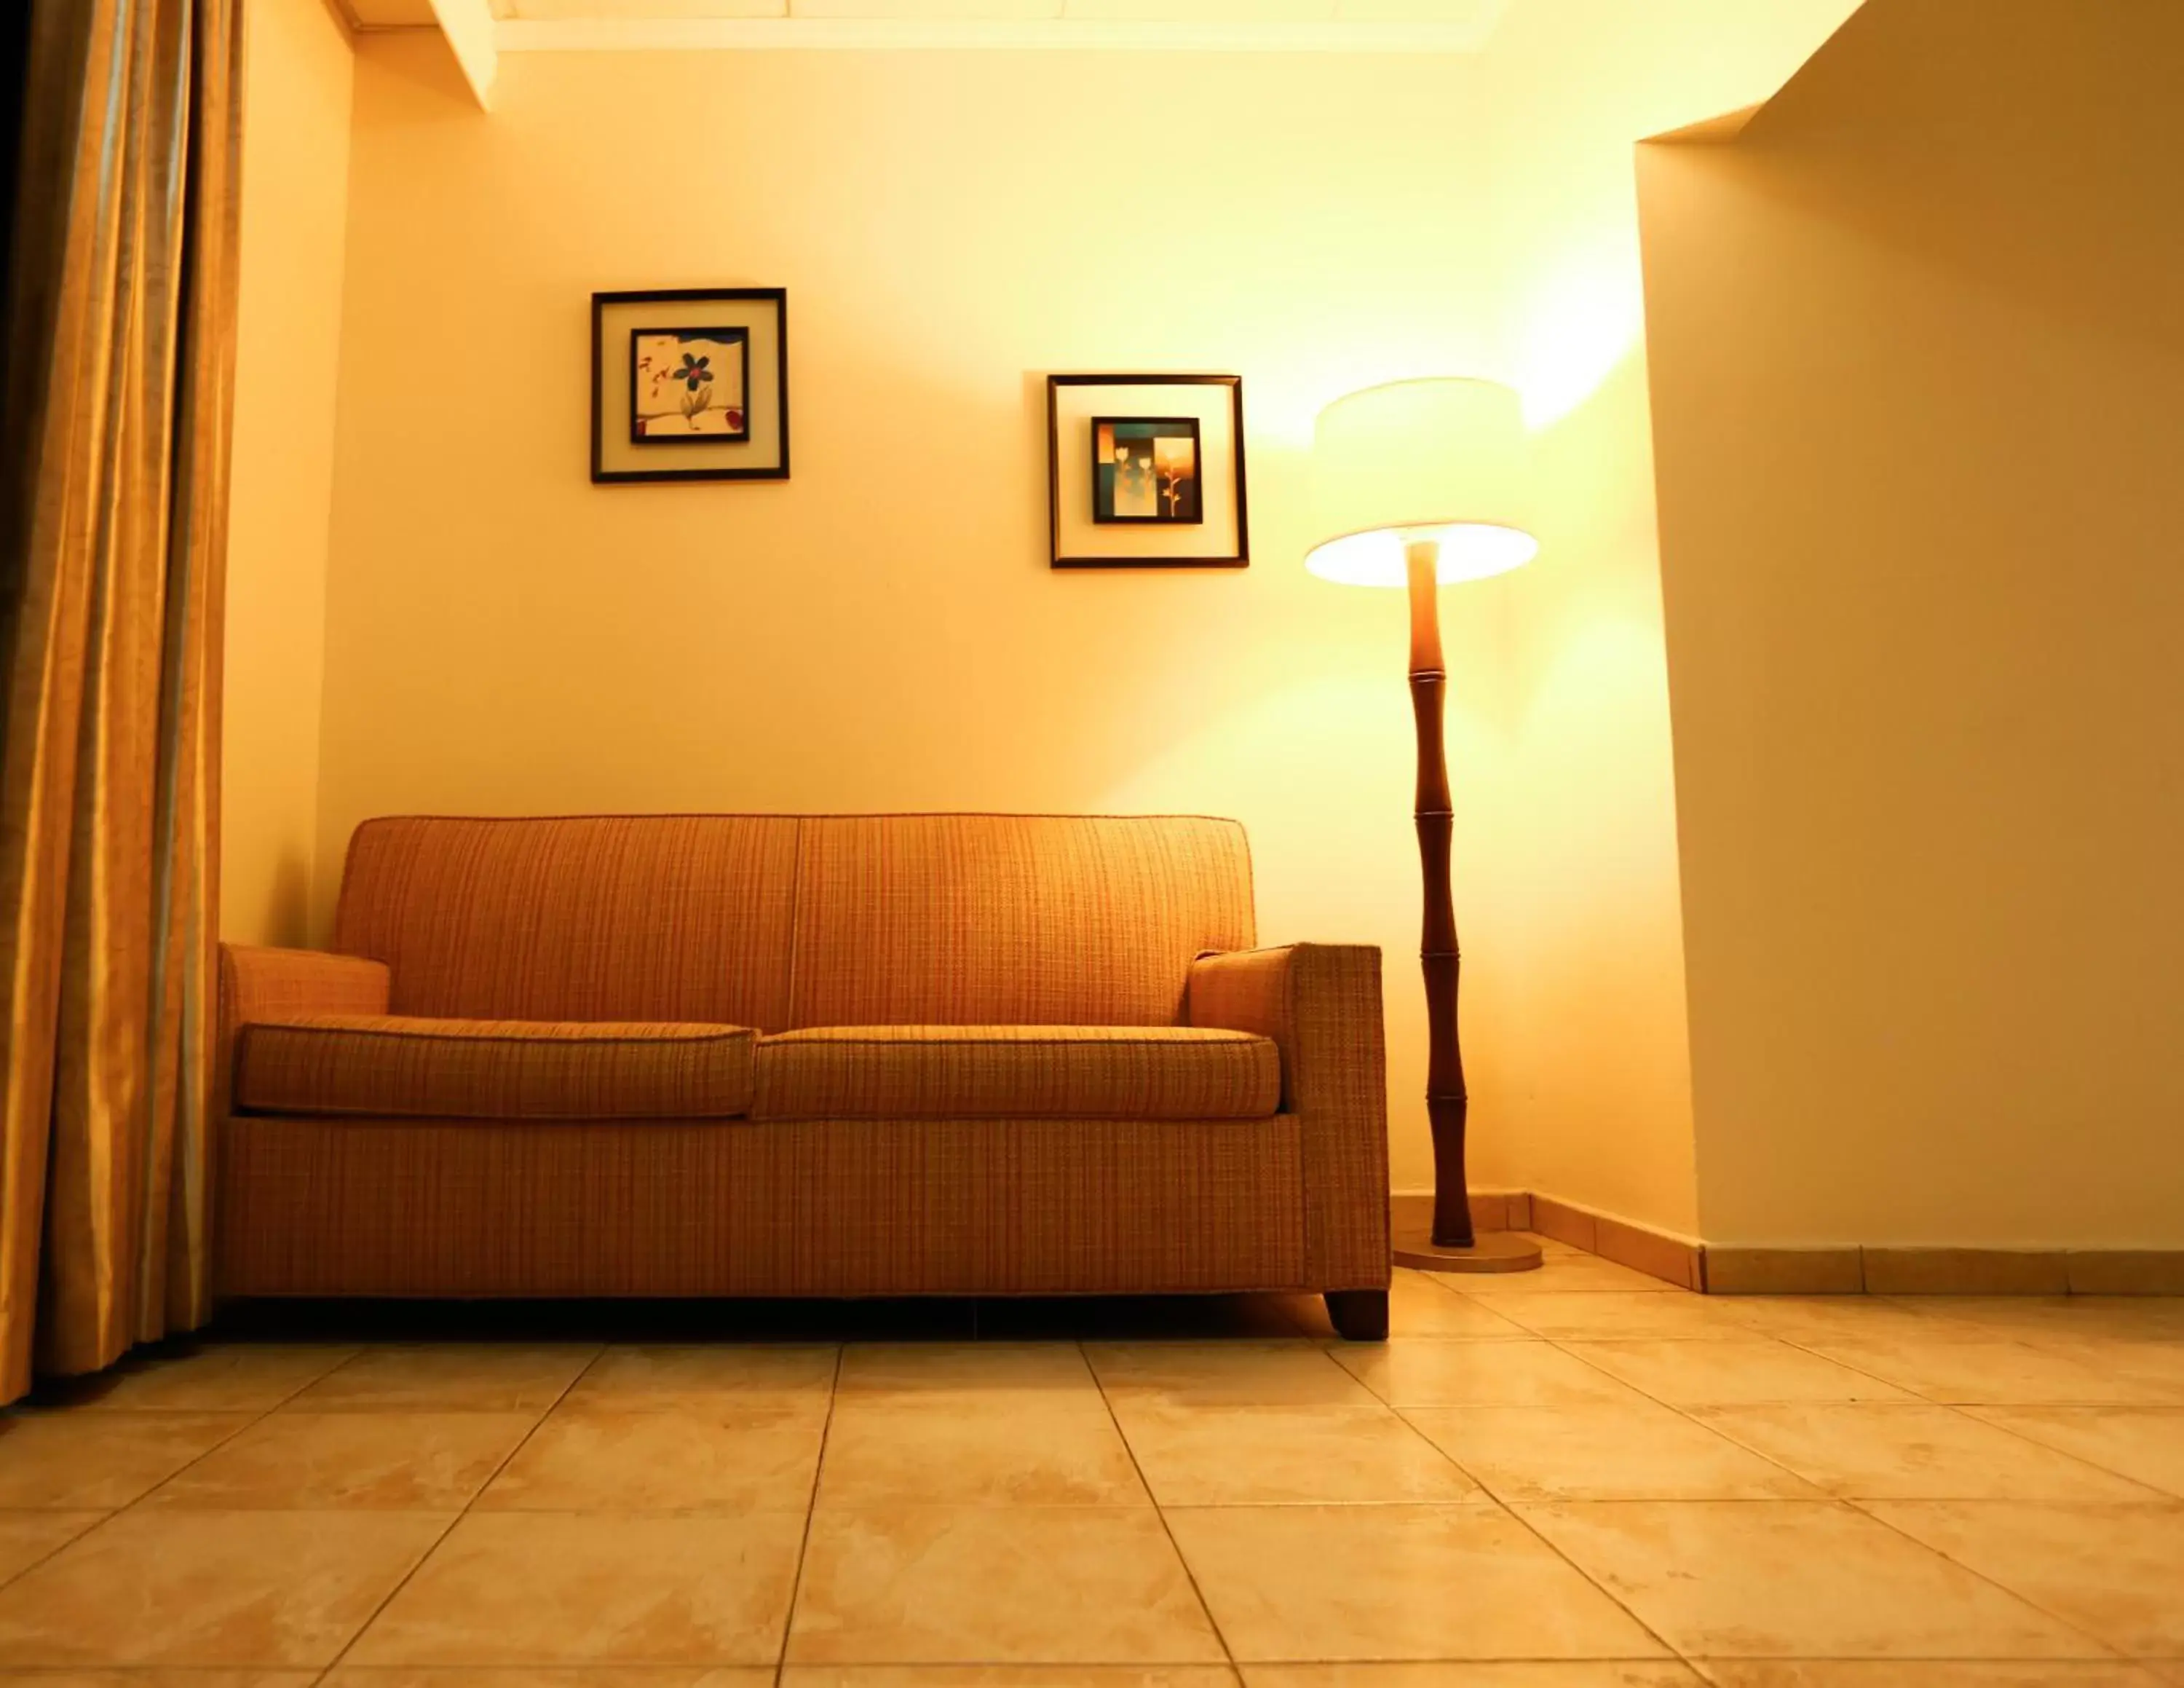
[[1451, 1245]]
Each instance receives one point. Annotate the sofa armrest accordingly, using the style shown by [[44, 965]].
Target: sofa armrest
[[1321, 1004], [258, 984]]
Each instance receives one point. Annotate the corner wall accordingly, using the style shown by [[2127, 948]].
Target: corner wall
[[1917, 343], [1601, 1115], [298, 73]]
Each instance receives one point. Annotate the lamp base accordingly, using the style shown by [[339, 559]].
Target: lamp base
[[1492, 1251]]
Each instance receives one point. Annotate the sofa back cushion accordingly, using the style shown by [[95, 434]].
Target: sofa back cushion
[[982, 920], [675, 917], [776, 921]]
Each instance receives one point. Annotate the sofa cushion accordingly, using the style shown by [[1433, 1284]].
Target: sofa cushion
[[654, 918], [960, 1072], [996, 919], [392, 1065]]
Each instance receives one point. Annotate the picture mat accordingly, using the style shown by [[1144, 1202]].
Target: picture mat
[[1077, 536], [619, 454]]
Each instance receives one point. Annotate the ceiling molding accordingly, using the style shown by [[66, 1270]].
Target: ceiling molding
[[612, 35]]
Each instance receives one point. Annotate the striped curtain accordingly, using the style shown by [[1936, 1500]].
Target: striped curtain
[[119, 357]]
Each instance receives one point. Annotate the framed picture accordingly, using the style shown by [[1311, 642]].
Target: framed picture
[[1147, 472], [690, 384]]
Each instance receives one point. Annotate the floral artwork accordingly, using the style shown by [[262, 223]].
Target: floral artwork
[[1145, 470], [689, 384]]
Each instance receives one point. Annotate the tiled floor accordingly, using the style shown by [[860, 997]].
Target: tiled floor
[[1576, 1478]]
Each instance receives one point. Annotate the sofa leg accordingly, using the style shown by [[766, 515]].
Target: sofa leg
[[1359, 1315]]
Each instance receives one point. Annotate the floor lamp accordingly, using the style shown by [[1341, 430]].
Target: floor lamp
[[1415, 484]]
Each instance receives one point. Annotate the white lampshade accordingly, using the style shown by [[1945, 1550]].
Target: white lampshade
[[1441, 459]]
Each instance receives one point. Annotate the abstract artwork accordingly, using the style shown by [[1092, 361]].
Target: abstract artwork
[[1145, 469], [688, 383]]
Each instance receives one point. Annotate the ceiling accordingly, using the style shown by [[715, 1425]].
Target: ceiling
[[1452, 25]]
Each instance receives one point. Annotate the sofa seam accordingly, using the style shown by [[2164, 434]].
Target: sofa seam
[[741, 1033]]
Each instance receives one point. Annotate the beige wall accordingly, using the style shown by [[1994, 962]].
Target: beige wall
[[884, 631], [298, 72], [1917, 345]]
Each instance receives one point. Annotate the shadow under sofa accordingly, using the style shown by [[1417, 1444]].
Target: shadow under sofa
[[780, 1055]]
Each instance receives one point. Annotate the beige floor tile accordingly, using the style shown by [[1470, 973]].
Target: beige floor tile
[[1792, 1580], [66, 1458], [1242, 1456], [549, 1676], [1298, 1373], [556, 1588], [1561, 1274], [950, 1452], [1913, 1452], [2157, 1364], [1031, 1376], [1420, 1305], [2145, 1444], [1996, 1374], [177, 1588], [1328, 1584], [585, 1459], [1924, 1673], [1621, 1451], [2116, 1572], [1506, 1674], [25, 1538], [1732, 1373], [1847, 1318], [1611, 1316], [1008, 1676], [2152, 1317], [231, 1378], [413, 1461], [1426, 1371], [452, 1376], [723, 1375], [997, 1584]]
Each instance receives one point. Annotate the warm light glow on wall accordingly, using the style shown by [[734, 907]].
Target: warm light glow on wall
[[1571, 328]]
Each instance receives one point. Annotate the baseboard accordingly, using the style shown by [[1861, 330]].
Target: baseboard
[[1846, 1270], [1851, 1271], [1674, 1260]]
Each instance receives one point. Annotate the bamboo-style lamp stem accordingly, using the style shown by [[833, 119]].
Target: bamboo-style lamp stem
[[1447, 1104]]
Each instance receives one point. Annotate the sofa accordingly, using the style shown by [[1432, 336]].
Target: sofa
[[784, 1055]]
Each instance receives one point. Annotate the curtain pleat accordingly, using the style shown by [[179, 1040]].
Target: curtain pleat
[[121, 341]]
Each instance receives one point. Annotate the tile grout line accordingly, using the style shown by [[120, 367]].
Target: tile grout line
[[1858, 1506], [1160, 1511], [2106, 1652], [107, 1515], [810, 1513], [458, 1516], [1963, 1409]]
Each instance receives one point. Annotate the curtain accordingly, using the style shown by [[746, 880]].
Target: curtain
[[118, 344]]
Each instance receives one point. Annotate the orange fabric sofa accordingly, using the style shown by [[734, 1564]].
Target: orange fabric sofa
[[780, 1055]]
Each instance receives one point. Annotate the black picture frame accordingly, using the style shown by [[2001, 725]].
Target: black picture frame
[[724, 336], [775, 372], [1242, 556], [1176, 425]]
